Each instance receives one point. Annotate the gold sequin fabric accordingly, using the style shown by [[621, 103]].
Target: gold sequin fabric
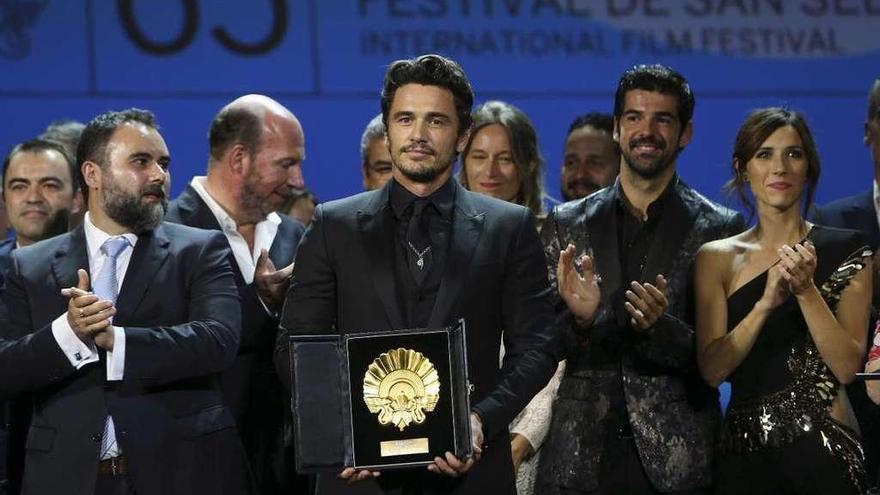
[[776, 419]]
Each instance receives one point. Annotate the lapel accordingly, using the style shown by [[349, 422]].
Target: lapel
[[675, 224], [70, 256], [602, 228], [148, 257], [194, 211], [467, 225], [377, 235]]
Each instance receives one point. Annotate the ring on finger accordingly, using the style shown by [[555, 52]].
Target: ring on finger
[[82, 313]]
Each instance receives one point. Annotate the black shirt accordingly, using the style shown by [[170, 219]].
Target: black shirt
[[417, 300], [635, 238]]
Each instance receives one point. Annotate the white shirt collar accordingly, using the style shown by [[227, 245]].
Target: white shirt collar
[[223, 218], [96, 237]]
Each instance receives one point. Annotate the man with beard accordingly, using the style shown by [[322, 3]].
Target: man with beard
[[632, 414], [117, 332], [256, 152], [422, 252], [591, 157], [41, 194]]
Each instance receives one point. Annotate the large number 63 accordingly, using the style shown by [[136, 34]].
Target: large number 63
[[190, 26]]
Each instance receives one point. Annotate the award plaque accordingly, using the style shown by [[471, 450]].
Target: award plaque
[[380, 400]]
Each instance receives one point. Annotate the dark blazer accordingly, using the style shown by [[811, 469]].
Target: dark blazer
[[251, 388], [673, 414], [494, 277], [853, 212], [6, 248], [180, 312]]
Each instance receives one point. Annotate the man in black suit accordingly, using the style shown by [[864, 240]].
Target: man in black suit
[[256, 152], [862, 212], [633, 414], [422, 252], [41, 195], [118, 330]]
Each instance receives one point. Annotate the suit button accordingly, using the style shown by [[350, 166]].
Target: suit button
[[96, 438]]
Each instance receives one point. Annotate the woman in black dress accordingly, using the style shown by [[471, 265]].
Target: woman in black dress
[[781, 313]]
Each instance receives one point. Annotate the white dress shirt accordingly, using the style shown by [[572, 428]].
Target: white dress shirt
[[264, 232], [82, 353]]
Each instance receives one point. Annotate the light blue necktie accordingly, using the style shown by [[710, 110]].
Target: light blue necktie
[[106, 286]]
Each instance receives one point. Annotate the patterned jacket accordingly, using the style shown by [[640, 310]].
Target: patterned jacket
[[673, 415]]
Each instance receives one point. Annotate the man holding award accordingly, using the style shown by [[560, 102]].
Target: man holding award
[[423, 252]]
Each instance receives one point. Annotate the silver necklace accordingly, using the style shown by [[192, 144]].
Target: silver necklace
[[421, 255]]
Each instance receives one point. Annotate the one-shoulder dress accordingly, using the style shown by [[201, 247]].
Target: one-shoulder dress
[[778, 436]]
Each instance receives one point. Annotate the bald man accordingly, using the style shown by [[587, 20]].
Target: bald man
[[257, 148]]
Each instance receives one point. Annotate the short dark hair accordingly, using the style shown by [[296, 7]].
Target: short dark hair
[[38, 146], [430, 70], [92, 145], [597, 120], [874, 100], [659, 79], [523, 146], [234, 126], [757, 127]]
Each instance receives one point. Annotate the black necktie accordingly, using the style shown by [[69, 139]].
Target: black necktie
[[418, 241]]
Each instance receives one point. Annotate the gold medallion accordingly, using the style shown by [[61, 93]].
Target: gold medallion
[[401, 385]]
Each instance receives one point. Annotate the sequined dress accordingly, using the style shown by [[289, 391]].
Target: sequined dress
[[781, 392]]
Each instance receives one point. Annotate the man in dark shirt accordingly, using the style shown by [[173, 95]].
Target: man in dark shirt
[[632, 414], [422, 252]]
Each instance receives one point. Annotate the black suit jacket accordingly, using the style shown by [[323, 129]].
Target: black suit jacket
[[672, 413], [853, 212], [494, 277], [251, 387], [6, 248], [180, 312]]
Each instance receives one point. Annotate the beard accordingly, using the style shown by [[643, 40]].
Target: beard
[[257, 207], [577, 186], [423, 173], [126, 208], [653, 168]]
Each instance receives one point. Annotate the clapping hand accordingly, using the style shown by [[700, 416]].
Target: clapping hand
[[580, 291], [272, 284], [646, 302], [89, 316], [797, 265]]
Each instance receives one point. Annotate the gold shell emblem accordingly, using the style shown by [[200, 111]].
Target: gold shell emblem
[[401, 385]]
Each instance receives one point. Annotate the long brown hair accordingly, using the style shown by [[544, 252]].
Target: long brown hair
[[523, 147], [757, 127]]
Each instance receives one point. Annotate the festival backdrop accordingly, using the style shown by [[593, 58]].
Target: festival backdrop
[[555, 59]]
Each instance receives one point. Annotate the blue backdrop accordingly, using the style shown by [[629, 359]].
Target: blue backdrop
[[184, 59]]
